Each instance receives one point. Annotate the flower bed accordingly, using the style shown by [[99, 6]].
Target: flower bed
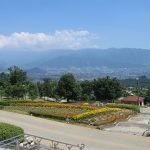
[[27, 109], [75, 112], [41, 104], [95, 112], [108, 118]]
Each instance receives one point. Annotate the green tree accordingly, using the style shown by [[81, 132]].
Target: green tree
[[3, 83], [2, 92], [53, 86], [147, 96], [18, 90], [47, 88], [17, 86], [40, 89], [107, 88], [17, 76], [77, 91], [33, 91], [87, 90], [67, 87], [3, 79]]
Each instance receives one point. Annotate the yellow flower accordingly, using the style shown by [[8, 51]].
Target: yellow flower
[[94, 112], [85, 104]]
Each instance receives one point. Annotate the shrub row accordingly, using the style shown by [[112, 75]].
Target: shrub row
[[11, 102], [15, 102], [124, 106], [8, 131], [54, 115], [1, 107]]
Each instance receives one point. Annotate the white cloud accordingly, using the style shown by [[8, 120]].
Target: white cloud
[[68, 39]]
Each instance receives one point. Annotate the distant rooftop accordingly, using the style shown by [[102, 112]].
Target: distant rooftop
[[133, 99]]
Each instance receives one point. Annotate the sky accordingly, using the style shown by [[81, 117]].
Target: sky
[[74, 24]]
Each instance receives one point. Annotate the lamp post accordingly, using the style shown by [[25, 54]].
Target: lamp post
[[138, 90]]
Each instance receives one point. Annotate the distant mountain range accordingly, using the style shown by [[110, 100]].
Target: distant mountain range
[[111, 58], [123, 57]]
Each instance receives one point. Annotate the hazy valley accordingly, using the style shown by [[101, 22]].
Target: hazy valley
[[84, 63]]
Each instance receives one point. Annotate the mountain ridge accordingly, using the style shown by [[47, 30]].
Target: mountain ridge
[[112, 58]]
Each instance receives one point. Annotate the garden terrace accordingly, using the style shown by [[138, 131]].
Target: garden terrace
[[73, 113]]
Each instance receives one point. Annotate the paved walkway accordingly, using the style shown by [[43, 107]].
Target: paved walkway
[[136, 125], [92, 138]]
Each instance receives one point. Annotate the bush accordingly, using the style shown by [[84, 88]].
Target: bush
[[4, 103], [124, 106], [1, 107], [48, 115], [8, 131], [12, 102]]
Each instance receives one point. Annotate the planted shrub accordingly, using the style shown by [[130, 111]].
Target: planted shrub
[[4, 103], [124, 106], [12, 102], [60, 116], [8, 131], [1, 107]]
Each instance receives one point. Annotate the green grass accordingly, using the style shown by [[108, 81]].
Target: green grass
[[8, 131], [135, 108]]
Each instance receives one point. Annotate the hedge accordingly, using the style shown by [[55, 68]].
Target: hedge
[[1, 107], [46, 115], [12, 102], [7, 131], [135, 108]]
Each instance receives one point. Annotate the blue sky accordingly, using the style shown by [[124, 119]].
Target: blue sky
[[74, 23]]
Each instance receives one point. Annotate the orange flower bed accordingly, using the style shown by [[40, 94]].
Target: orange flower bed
[[61, 114], [40, 104]]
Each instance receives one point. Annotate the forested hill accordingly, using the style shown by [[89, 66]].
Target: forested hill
[[142, 81]]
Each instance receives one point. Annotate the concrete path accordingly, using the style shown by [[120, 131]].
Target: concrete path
[[92, 138], [136, 125]]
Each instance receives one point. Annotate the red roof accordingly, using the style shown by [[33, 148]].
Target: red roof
[[133, 99]]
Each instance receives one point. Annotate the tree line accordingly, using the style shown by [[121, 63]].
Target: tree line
[[15, 84]]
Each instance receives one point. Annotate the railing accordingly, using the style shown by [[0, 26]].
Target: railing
[[32, 142]]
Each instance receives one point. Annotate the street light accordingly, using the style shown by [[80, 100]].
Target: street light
[[138, 90]]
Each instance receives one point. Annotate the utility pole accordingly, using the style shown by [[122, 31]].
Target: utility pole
[[138, 91]]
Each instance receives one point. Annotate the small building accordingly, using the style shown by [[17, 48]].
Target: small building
[[137, 100]]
